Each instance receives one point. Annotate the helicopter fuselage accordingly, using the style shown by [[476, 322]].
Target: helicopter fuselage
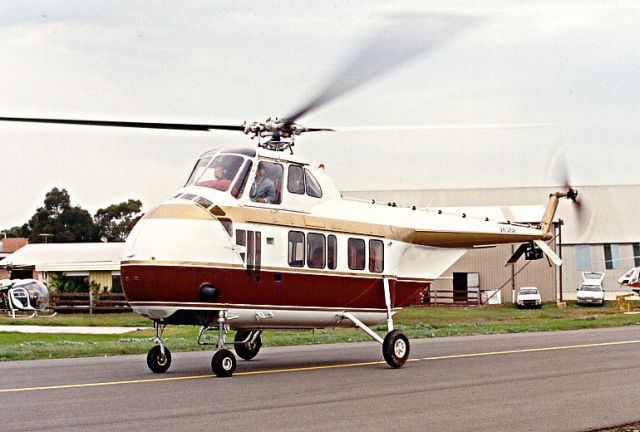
[[300, 258]]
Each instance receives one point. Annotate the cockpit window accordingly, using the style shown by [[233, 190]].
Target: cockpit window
[[241, 182], [295, 180], [313, 187], [268, 183], [220, 172], [197, 170]]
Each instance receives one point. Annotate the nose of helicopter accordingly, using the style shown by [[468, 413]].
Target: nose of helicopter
[[183, 233]]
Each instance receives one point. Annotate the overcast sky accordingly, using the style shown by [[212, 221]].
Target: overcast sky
[[573, 66]]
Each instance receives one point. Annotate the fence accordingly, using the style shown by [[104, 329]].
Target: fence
[[432, 297], [88, 302]]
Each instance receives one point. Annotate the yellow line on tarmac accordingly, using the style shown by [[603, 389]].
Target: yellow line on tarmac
[[530, 350], [313, 368]]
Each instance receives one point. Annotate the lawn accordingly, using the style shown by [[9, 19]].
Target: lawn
[[416, 322]]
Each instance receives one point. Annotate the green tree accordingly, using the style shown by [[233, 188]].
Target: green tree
[[61, 221], [116, 221], [18, 231]]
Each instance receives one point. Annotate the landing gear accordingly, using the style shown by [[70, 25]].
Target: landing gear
[[158, 361], [223, 363], [159, 357], [395, 349], [247, 343], [395, 345]]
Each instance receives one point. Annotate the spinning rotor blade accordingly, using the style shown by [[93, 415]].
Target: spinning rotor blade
[[440, 127], [395, 44], [585, 214], [143, 125]]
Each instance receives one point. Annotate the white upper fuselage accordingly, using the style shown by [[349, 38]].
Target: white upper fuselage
[[418, 243]]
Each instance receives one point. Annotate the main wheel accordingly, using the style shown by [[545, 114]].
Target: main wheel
[[223, 363], [395, 348], [157, 362], [247, 350]]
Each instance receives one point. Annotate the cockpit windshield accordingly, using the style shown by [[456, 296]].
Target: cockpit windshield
[[217, 174]]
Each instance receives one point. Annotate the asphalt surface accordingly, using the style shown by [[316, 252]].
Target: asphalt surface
[[560, 381]]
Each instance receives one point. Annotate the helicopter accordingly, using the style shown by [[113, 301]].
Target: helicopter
[[631, 279], [24, 298], [256, 239]]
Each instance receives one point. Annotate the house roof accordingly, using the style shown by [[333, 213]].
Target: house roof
[[66, 257]]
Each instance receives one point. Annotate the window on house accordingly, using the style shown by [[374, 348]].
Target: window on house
[[636, 254]]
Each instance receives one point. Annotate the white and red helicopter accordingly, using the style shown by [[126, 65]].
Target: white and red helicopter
[[257, 239], [631, 279]]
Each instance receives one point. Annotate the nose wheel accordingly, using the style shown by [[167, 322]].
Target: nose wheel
[[158, 361], [159, 357], [223, 363]]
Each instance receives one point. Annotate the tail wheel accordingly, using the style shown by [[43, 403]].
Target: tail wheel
[[395, 348], [223, 363], [246, 350], [158, 362]]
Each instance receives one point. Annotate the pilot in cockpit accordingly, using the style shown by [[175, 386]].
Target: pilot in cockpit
[[263, 190]]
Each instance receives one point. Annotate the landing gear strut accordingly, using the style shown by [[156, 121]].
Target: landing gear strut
[[159, 357], [395, 345], [223, 362]]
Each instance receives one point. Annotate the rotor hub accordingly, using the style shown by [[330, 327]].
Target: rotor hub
[[279, 134]]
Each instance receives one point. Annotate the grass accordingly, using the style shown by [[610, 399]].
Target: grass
[[415, 322]]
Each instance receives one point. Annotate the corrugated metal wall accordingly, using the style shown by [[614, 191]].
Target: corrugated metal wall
[[493, 274]]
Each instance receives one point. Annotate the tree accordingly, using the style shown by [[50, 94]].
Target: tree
[[116, 221], [61, 221], [18, 231]]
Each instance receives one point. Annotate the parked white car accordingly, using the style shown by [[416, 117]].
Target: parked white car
[[528, 297], [591, 291]]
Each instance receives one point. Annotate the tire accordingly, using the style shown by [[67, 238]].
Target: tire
[[395, 349], [223, 363], [247, 350], [156, 361]]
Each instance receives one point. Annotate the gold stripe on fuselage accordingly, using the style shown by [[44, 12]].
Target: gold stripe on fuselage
[[290, 219]]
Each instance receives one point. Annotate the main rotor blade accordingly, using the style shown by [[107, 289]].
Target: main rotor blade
[[442, 127], [394, 44], [143, 125]]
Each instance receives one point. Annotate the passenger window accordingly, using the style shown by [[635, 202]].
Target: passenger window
[[268, 182], [313, 187], [315, 250], [296, 249], [241, 182], [355, 249], [376, 256], [332, 252], [295, 180]]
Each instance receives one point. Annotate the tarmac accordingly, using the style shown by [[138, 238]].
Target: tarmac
[[68, 329]]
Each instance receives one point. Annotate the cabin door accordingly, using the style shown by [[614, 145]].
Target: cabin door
[[252, 257]]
